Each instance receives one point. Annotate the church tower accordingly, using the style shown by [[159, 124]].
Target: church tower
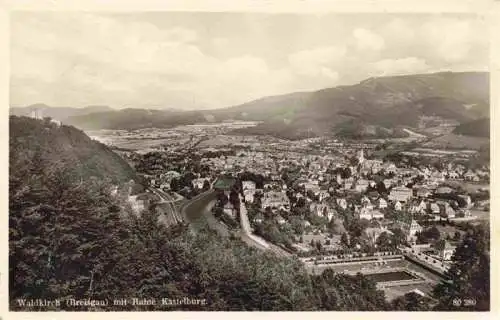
[[361, 156]]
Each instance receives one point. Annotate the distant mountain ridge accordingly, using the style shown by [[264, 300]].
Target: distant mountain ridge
[[384, 102], [58, 113], [375, 107], [131, 119]]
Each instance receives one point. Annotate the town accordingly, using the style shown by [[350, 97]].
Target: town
[[331, 203]]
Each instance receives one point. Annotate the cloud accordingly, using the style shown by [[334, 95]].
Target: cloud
[[77, 59], [368, 40], [441, 41], [400, 66], [317, 61], [110, 57], [452, 39]]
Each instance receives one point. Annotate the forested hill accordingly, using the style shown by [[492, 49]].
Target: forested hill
[[46, 145], [476, 128], [370, 108]]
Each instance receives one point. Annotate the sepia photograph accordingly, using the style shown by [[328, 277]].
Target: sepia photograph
[[248, 161]]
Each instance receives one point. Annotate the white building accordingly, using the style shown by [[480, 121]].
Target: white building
[[198, 183], [401, 194], [342, 203], [382, 204]]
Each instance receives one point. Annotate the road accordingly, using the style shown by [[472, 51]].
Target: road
[[414, 134], [248, 237]]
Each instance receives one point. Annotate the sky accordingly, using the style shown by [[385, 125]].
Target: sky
[[215, 60]]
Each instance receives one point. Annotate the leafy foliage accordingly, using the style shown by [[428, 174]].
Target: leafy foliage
[[468, 274], [35, 143]]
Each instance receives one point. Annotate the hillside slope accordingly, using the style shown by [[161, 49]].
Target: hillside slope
[[267, 108], [39, 144], [476, 128], [384, 102]]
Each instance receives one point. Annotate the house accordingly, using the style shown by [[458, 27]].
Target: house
[[280, 219], [365, 202], [390, 167], [330, 214], [312, 186], [444, 190], [348, 183], [423, 192], [444, 250], [364, 213], [382, 204], [411, 229], [434, 208], [398, 206], [470, 176], [464, 213], [361, 185], [448, 211], [367, 214], [342, 203], [422, 206], [339, 179], [401, 194], [388, 183], [249, 195], [198, 183], [437, 176], [248, 185], [275, 200], [377, 214], [322, 210], [417, 207], [114, 191], [165, 186], [323, 194], [453, 175]]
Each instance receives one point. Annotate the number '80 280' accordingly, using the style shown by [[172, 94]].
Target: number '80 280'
[[467, 302]]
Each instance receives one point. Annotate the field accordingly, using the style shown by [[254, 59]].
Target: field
[[397, 291], [469, 186], [390, 276], [453, 141]]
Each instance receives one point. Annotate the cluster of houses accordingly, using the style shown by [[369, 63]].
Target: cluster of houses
[[371, 189], [357, 191]]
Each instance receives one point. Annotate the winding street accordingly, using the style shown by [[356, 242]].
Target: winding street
[[197, 212]]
